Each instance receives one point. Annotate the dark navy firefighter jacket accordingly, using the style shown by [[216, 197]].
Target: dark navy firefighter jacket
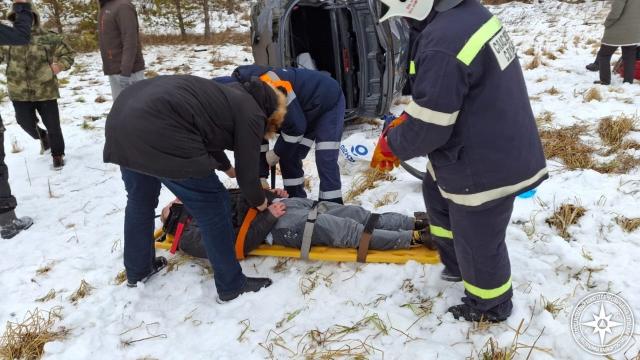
[[470, 111]]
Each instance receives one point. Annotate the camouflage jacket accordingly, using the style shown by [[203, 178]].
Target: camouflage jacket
[[29, 74]]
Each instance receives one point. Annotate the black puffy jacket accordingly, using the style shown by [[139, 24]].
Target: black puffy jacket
[[177, 126]]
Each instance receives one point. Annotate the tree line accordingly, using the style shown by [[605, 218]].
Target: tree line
[[78, 18]]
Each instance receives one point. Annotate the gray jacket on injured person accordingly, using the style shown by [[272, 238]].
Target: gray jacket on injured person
[[339, 226]]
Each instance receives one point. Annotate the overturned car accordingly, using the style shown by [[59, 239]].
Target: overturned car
[[340, 37]]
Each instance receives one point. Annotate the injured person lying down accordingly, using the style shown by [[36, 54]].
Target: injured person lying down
[[338, 226]]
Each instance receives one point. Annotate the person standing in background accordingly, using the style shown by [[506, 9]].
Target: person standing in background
[[20, 34], [120, 47], [622, 29], [33, 84]]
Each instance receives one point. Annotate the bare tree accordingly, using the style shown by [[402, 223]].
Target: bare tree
[[207, 19]]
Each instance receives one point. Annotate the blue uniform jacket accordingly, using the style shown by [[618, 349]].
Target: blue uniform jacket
[[315, 93], [470, 111]]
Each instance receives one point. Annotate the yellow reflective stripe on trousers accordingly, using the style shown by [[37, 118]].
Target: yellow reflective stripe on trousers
[[478, 40], [487, 294], [440, 232]]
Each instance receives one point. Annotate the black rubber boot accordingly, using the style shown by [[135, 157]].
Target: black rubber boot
[[422, 220], [12, 227], [594, 66], [446, 275], [468, 313], [159, 263], [252, 285]]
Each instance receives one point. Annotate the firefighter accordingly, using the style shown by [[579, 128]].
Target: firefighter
[[470, 114], [315, 115]]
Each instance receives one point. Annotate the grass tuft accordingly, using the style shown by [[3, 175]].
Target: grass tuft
[[366, 181], [83, 291], [566, 145], [592, 94], [612, 131], [544, 118], [628, 224], [50, 296], [26, 339], [388, 198], [552, 91], [565, 216], [534, 63]]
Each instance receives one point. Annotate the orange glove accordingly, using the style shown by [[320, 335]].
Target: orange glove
[[383, 158]]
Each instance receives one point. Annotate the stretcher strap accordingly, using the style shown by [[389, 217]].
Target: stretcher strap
[[365, 239], [242, 234], [305, 247]]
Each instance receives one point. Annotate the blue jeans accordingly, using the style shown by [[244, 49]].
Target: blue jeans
[[207, 201]]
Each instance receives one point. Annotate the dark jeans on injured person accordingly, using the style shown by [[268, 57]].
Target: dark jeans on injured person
[[337, 226]]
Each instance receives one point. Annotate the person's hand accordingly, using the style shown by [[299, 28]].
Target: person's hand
[[272, 158], [263, 207], [278, 209], [281, 193], [56, 68], [231, 172], [383, 159], [124, 81]]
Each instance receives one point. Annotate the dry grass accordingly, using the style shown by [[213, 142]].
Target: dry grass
[[100, 99], [566, 145], [227, 37], [549, 55], [83, 291], [50, 296], [534, 63], [150, 74], [592, 94], [553, 307], [565, 216], [45, 269], [388, 198], [26, 340], [612, 131], [366, 181], [628, 224], [493, 351], [552, 91], [120, 278], [218, 60], [530, 51], [621, 164], [544, 118]]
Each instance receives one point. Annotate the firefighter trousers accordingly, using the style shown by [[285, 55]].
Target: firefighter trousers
[[471, 243]]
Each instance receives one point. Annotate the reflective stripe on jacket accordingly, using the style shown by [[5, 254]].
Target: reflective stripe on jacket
[[470, 111], [310, 95]]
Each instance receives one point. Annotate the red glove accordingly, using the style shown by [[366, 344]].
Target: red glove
[[383, 158]]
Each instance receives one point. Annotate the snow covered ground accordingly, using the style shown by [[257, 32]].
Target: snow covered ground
[[326, 309]]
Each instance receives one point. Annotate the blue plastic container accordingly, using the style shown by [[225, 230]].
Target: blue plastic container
[[528, 194]]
